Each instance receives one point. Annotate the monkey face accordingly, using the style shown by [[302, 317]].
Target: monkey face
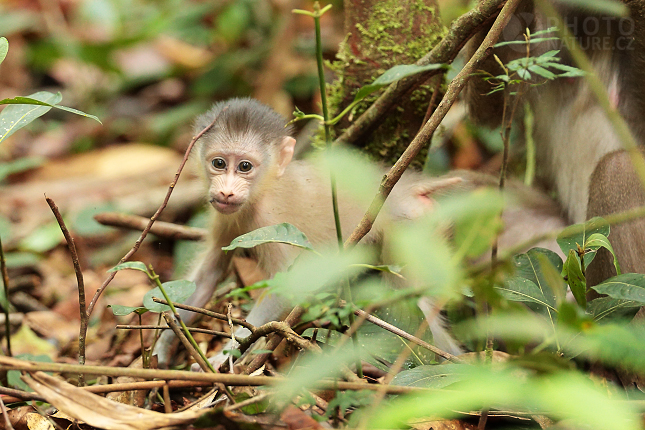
[[232, 178]]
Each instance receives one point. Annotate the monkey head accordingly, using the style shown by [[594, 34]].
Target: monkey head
[[247, 149]]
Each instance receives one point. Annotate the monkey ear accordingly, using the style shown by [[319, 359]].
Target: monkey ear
[[286, 153]]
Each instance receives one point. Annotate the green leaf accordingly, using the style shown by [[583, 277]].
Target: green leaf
[[13, 118], [394, 74], [529, 266], [280, 233], [134, 265], [607, 307], [33, 100], [578, 234], [178, 291], [542, 72], [596, 241], [429, 376], [520, 289], [4, 48], [576, 280], [628, 286], [23, 110], [119, 310]]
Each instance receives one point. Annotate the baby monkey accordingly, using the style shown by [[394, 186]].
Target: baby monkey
[[253, 182]]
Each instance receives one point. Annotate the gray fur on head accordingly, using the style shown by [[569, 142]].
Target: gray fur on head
[[244, 116]]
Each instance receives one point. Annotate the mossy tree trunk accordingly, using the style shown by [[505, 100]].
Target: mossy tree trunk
[[382, 34]]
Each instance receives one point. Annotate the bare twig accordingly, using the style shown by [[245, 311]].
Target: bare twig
[[7, 421], [211, 314], [185, 342], [163, 229], [154, 217], [5, 281], [81, 286], [419, 141], [13, 395], [163, 327], [274, 341], [8, 363]]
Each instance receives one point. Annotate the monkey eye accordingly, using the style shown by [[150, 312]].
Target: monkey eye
[[219, 163], [245, 166]]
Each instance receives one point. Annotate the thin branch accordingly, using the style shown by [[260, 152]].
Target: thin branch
[[167, 230], [8, 363], [461, 30], [7, 421], [420, 140], [163, 327], [274, 340], [81, 286], [186, 343], [154, 217], [13, 395], [5, 281], [211, 314]]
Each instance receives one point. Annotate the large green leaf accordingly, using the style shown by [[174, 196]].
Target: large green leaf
[[608, 307], [628, 286], [529, 266], [23, 110], [520, 289], [280, 233]]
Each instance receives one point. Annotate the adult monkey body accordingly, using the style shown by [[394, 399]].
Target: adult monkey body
[[253, 183], [578, 153]]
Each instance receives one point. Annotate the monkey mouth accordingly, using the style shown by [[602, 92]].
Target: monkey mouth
[[225, 207]]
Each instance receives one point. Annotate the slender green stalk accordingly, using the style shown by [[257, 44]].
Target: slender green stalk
[[5, 305], [334, 197], [156, 280], [323, 98]]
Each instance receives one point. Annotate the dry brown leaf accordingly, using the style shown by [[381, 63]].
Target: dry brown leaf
[[100, 412], [38, 422], [17, 417], [136, 397], [296, 419]]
